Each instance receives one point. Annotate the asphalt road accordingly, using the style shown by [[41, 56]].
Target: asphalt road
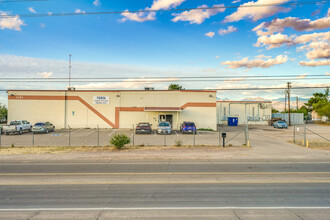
[[181, 190]]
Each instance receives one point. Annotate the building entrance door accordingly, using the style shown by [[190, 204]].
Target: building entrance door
[[168, 118]]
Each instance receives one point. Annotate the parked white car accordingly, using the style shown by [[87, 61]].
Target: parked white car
[[164, 128], [17, 127]]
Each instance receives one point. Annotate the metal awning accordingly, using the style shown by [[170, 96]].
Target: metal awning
[[162, 109]]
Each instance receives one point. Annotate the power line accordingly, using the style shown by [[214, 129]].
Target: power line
[[214, 89], [169, 77], [14, 1], [167, 10], [148, 81]]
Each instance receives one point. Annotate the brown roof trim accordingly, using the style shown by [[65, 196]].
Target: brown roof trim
[[252, 102], [111, 91]]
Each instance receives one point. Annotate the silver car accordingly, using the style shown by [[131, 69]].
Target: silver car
[[164, 128], [43, 127]]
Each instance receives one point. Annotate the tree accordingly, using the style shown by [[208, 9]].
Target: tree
[[324, 111], [175, 87], [318, 100], [3, 112], [320, 103], [274, 110]]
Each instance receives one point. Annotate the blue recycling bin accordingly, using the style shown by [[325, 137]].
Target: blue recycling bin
[[232, 121]]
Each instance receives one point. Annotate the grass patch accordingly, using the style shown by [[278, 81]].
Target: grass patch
[[37, 150], [205, 129], [322, 122], [314, 144]]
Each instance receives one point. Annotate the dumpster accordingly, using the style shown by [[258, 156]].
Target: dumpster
[[232, 121]]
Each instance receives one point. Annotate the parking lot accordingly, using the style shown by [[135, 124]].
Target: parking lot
[[92, 137], [101, 137]]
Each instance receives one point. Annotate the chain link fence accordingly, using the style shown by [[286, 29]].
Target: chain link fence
[[306, 135], [224, 136]]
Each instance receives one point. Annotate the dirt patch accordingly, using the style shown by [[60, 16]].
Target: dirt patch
[[314, 144], [104, 149]]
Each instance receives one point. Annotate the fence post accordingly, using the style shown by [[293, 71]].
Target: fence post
[[98, 136], [305, 134], [133, 135], [69, 135], [294, 134], [194, 137], [32, 139]]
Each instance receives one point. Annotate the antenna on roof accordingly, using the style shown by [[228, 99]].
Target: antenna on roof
[[70, 70], [70, 88]]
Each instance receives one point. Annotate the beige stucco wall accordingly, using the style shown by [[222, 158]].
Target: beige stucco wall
[[75, 113], [234, 109]]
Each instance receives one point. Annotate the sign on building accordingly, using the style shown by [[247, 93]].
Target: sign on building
[[101, 100]]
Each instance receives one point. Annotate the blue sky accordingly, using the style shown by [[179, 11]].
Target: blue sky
[[169, 44]]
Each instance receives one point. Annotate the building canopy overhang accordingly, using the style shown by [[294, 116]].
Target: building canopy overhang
[[162, 109]]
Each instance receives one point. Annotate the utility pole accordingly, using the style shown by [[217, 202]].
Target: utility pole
[[285, 94], [289, 86], [70, 70], [297, 103]]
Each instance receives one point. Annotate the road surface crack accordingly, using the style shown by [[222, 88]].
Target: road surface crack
[[236, 214]]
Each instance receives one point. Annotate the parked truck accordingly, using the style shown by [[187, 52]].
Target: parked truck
[[17, 127]]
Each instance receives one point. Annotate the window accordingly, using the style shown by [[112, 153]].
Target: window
[[224, 111]]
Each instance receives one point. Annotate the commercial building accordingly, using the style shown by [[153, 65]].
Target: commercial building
[[113, 109], [256, 112]]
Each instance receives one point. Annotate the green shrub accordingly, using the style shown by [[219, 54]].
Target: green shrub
[[120, 140], [178, 143]]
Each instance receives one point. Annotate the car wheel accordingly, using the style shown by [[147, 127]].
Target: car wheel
[[20, 132], [54, 129], [47, 131]]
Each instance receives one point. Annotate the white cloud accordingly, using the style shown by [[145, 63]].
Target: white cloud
[[252, 11], [198, 16], [302, 76], [150, 16], [274, 41], [32, 10], [235, 1], [12, 23], [278, 25], [79, 11], [317, 50], [262, 56], [229, 30], [126, 84], [314, 63], [97, 3], [245, 62], [165, 4], [45, 74], [210, 34]]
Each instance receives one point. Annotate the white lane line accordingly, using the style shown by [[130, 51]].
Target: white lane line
[[90, 132], [72, 132], [169, 208], [111, 133]]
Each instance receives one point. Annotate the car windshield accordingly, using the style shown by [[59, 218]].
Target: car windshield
[[190, 124], [39, 124], [143, 124], [15, 123], [281, 122], [164, 124]]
